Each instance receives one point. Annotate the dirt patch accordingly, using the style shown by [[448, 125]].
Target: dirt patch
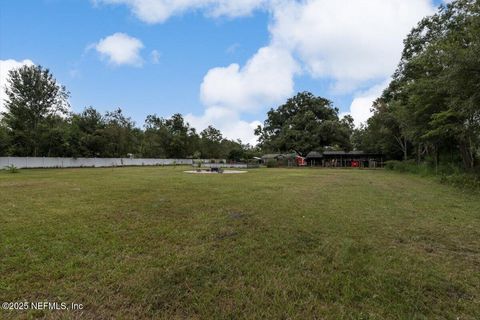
[[213, 172], [226, 235], [237, 215]]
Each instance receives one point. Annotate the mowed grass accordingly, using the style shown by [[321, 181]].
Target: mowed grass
[[152, 242]]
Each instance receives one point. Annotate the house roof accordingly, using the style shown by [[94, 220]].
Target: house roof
[[316, 154], [338, 153], [278, 155], [270, 155]]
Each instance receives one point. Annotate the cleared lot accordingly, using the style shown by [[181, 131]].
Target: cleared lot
[[272, 243]]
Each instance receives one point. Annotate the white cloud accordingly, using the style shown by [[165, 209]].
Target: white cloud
[[5, 67], [349, 43], [121, 49], [227, 92], [265, 79], [233, 48], [157, 11], [227, 121], [155, 56], [352, 42], [363, 101]]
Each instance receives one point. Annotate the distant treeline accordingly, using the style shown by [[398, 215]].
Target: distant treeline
[[37, 123], [430, 112]]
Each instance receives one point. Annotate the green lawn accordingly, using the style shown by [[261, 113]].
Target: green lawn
[[152, 242]]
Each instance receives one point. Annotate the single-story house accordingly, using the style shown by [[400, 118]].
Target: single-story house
[[359, 159]]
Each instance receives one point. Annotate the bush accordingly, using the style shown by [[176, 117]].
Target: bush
[[197, 163], [12, 169], [271, 163], [464, 181], [447, 173]]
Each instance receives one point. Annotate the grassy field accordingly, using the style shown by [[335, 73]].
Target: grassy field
[[270, 244]]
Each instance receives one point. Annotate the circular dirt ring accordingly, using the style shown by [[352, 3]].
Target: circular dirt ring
[[213, 172]]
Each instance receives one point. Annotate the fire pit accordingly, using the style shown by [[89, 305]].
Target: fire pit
[[212, 171]]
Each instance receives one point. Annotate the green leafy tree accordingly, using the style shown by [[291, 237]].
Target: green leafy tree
[[4, 139], [86, 137], [119, 135], [304, 123], [211, 143], [157, 137], [34, 100], [183, 138], [170, 138], [431, 107]]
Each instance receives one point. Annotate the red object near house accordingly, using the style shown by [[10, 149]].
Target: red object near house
[[355, 164], [300, 161]]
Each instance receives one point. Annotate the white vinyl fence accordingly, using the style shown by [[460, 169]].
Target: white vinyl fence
[[37, 162]]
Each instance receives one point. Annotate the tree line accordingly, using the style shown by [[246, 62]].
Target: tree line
[[430, 111], [37, 123]]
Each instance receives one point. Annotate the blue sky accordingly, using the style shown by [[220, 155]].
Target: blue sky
[[215, 61]]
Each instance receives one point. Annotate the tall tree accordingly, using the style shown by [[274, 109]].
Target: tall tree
[[33, 99], [86, 134], [211, 143], [432, 105], [184, 139], [171, 138], [157, 137], [304, 123], [119, 135], [4, 139]]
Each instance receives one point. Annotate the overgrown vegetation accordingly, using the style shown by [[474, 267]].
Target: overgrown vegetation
[[11, 169], [431, 110], [272, 163], [447, 173]]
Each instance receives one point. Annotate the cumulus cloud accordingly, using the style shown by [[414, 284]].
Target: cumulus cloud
[[350, 43], [227, 92], [265, 79], [157, 11], [155, 56], [5, 67], [363, 101], [228, 121], [121, 49]]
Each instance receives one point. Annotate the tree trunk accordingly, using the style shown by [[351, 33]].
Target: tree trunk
[[403, 145], [419, 153], [466, 154]]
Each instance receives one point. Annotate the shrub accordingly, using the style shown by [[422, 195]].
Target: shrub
[[447, 173], [464, 181], [271, 163], [410, 166], [197, 163], [11, 168]]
